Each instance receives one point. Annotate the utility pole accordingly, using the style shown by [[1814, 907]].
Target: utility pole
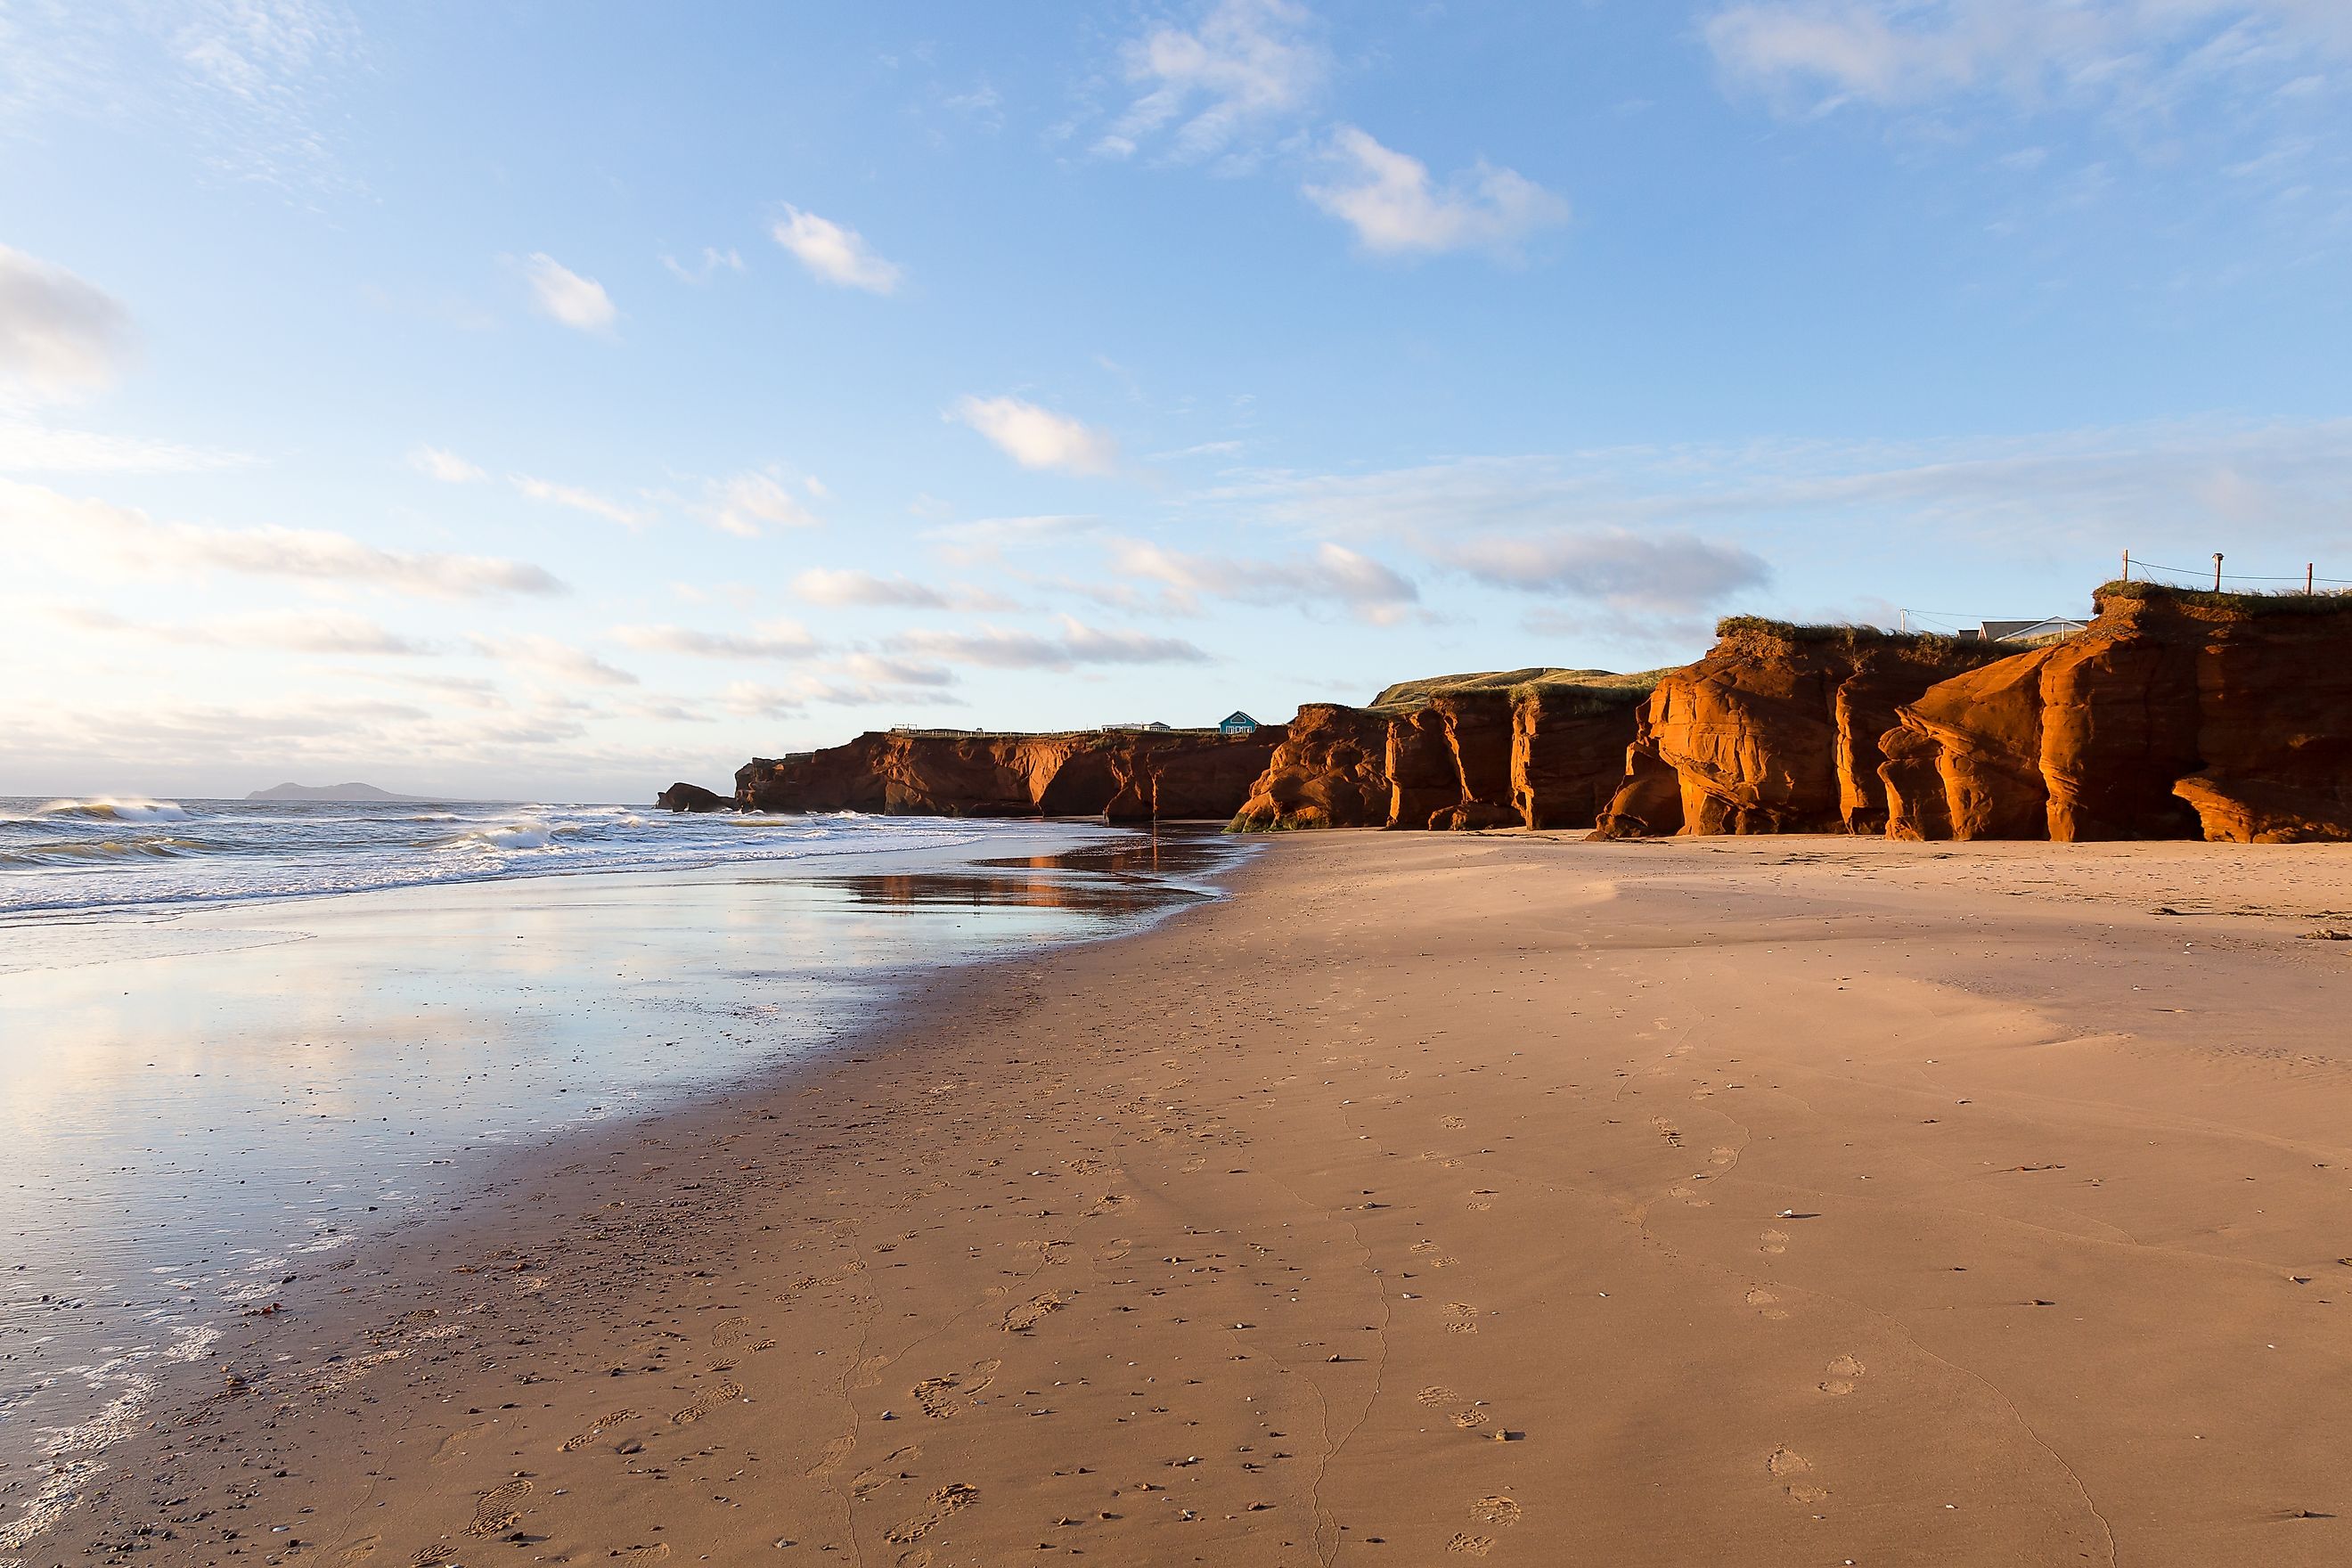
[[2308, 568], [2126, 565], [2217, 571]]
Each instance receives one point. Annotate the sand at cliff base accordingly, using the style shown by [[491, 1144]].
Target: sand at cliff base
[[1788, 1201]]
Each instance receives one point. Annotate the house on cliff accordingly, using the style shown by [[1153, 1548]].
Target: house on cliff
[[2025, 632], [1237, 723]]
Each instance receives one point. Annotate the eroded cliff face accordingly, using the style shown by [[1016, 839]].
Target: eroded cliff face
[[2175, 716], [1124, 776], [1542, 754], [1777, 731], [1330, 770]]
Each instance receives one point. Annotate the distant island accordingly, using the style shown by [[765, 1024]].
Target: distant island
[[345, 792]]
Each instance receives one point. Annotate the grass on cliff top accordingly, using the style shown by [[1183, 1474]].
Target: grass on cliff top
[[2278, 602], [1409, 696], [1855, 637]]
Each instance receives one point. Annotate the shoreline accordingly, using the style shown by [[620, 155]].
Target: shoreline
[[1058, 888], [1034, 1160]]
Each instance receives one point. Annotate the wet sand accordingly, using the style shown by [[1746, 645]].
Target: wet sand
[[1786, 1201]]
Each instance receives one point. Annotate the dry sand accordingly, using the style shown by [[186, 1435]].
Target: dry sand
[[1758, 1201]]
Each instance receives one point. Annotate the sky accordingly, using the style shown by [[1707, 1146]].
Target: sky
[[551, 400]]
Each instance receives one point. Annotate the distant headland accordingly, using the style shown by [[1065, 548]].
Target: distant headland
[[341, 792]]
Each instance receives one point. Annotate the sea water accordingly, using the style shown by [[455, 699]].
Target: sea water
[[237, 1038]]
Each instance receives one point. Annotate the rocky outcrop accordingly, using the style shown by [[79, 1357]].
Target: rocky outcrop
[[1123, 776], [1536, 747], [1568, 749], [1330, 770], [1777, 731], [691, 798], [2175, 715]]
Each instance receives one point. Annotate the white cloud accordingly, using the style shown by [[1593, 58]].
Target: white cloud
[[775, 640], [59, 334], [564, 296], [1249, 64], [1038, 438], [1389, 199], [1329, 571], [579, 500], [750, 504], [555, 660], [834, 253], [713, 262], [433, 462], [1078, 644], [2137, 54], [829, 585], [94, 537], [860, 681]]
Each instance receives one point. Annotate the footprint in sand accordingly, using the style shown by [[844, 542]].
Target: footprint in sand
[[1468, 1545], [454, 1445], [1762, 1301], [920, 1557], [870, 1481], [835, 1452], [1480, 1202], [1115, 1250], [1452, 1123], [1775, 1241], [1724, 1156], [1500, 1511], [941, 1397], [1020, 1320], [1107, 1203], [595, 1429], [658, 1552], [1665, 1130], [1792, 1469], [360, 1551], [1689, 1195], [1437, 1393], [1471, 1419], [948, 1499], [495, 1511], [708, 1399], [1843, 1372], [1461, 1318]]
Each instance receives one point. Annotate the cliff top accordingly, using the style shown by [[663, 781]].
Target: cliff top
[[2285, 602], [1853, 638], [1408, 695]]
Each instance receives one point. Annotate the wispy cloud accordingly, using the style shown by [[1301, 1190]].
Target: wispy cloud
[[96, 538], [775, 640], [834, 253], [59, 334], [1247, 65], [1329, 573], [563, 295], [553, 658], [27, 448], [2132, 55], [437, 463], [293, 631], [1396, 209], [842, 586], [714, 262], [580, 499], [1038, 437], [749, 504], [1078, 644], [1658, 571]]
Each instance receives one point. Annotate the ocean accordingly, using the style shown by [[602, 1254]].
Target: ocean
[[238, 1038]]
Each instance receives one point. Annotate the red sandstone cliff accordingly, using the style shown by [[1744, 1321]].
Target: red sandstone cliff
[[1777, 731], [2176, 715], [1539, 747], [1125, 775]]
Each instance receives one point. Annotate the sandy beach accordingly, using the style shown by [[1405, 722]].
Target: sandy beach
[[1801, 1201]]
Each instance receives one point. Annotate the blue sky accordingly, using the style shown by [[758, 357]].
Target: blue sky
[[557, 399]]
